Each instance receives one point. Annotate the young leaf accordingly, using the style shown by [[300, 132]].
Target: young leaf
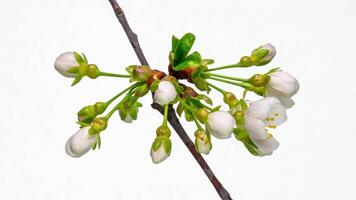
[[193, 60], [183, 47], [175, 41]]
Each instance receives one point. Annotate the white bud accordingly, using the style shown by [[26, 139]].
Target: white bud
[[165, 93], [160, 154], [202, 142], [220, 124], [259, 54], [282, 86], [80, 143], [64, 62], [267, 146]]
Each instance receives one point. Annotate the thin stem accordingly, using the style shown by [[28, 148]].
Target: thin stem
[[226, 77], [197, 123], [114, 75], [229, 82], [123, 92], [216, 88], [226, 67], [186, 105], [165, 115]]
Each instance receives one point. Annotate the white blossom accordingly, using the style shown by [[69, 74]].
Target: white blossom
[[64, 62], [282, 86], [202, 142], [266, 58], [165, 93], [220, 124], [262, 114], [80, 143]]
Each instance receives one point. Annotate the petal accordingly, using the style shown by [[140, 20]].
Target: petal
[[82, 142], [159, 155], [69, 150], [259, 109], [283, 83], [266, 146], [64, 62], [256, 128], [165, 93], [220, 124], [276, 115]]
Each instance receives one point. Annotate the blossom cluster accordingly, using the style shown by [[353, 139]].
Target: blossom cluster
[[250, 121]]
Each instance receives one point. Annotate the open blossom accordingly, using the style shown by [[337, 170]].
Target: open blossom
[[265, 113], [220, 124], [282, 86], [64, 62], [165, 93], [161, 153], [80, 143]]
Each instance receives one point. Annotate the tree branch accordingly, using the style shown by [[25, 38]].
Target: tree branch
[[172, 117]]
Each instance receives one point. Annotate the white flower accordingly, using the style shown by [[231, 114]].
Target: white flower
[[220, 124], [160, 154], [80, 143], [265, 113], [202, 142], [64, 62], [282, 86], [165, 93], [261, 57]]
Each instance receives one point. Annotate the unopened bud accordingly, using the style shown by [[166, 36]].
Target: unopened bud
[[142, 73], [246, 61], [230, 99], [258, 80], [100, 107], [263, 54], [98, 125], [142, 90], [87, 114], [202, 142]]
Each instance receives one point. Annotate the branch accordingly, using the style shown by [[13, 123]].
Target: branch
[[172, 117]]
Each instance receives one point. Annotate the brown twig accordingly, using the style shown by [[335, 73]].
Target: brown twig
[[172, 117]]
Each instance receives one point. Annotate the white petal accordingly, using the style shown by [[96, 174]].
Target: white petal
[[276, 115], [256, 128], [284, 83], [128, 118], [259, 109], [69, 150], [81, 142], [203, 145], [64, 62], [159, 155], [165, 93], [220, 124], [266, 146]]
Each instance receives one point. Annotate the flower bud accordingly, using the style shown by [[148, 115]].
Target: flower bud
[[202, 142], [87, 114], [141, 73], [220, 124], [246, 61], [92, 71], [201, 84], [142, 90], [263, 54], [165, 93], [258, 80], [161, 149], [128, 114], [80, 143], [65, 62], [282, 86]]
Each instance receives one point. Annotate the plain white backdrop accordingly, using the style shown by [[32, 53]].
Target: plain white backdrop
[[315, 42]]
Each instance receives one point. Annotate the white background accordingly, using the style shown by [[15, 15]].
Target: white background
[[315, 42]]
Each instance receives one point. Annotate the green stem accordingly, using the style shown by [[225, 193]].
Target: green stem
[[186, 105], [216, 88], [226, 77], [244, 85], [165, 115], [114, 75], [226, 67], [123, 92], [197, 123], [130, 89]]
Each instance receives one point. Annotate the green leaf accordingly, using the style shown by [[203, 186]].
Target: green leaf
[[205, 98], [183, 47], [175, 41], [76, 80], [206, 62], [180, 109], [78, 58], [193, 60]]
